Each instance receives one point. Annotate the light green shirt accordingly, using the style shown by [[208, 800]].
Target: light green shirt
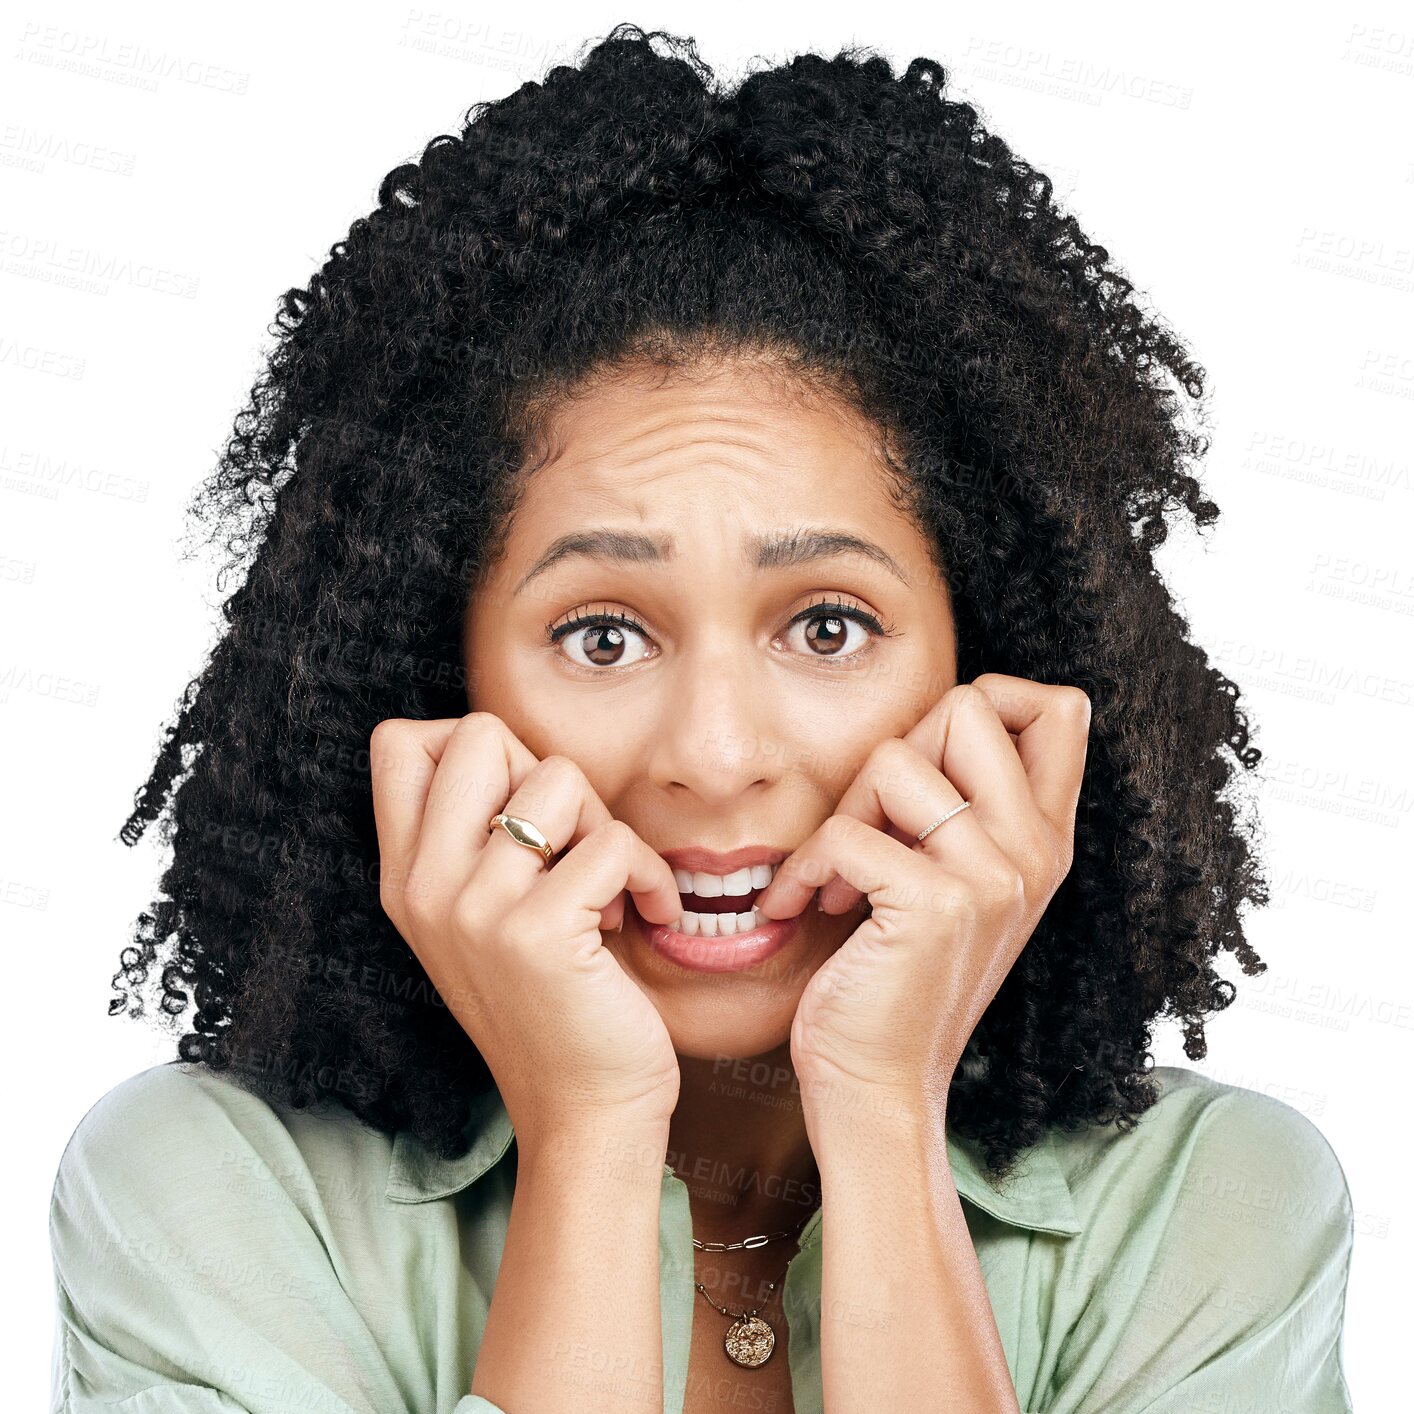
[[214, 1254]]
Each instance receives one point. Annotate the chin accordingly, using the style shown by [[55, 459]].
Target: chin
[[751, 1015], [733, 1039], [722, 1015]]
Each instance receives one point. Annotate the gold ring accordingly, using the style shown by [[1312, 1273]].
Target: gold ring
[[523, 832]]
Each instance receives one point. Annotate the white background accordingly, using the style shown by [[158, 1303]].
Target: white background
[[168, 174]]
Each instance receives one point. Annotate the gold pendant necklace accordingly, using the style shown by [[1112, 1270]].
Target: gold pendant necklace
[[750, 1338]]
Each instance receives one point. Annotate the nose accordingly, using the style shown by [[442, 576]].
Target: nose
[[718, 736]]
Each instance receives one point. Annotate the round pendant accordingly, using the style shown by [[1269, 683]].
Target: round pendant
[[750, 1341]]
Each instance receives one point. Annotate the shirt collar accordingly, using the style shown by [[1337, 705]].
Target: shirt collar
[[1036, 1196]]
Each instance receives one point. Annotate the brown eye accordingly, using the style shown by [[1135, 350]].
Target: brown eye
[[603, 639], [827, 631], [603, 645], [826, 634]]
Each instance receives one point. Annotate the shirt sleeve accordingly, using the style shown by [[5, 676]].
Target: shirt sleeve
[[1235, 1300], [181, 1291]]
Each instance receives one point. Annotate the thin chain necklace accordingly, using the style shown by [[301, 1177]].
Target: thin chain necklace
[[750, 1338]]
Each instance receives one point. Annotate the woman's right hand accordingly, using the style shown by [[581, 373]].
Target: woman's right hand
[[513, 946]]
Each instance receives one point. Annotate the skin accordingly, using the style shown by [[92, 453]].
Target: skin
[[722, 724]]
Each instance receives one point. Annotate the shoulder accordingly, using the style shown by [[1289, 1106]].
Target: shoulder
[[1211, 1265], [149, 1150], [210, 1247], [1198, 1116], [151, 1119], [173, 1092], [1243, 1128], [1214, 1156], [1211, 1262], [168, 1144]]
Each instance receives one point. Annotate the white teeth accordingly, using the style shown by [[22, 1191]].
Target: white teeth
[[717, 925], [737, 884]]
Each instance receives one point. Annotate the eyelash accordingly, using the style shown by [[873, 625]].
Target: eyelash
[[819, 610]]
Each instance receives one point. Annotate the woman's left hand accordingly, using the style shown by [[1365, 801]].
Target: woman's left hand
[[893, 1008]]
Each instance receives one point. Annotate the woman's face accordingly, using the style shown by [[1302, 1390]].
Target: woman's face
[[722, 707]]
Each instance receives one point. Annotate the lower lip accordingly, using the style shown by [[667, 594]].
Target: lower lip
[[734, 954]]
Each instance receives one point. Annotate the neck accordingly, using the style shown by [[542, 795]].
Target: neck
[[738, 1141]]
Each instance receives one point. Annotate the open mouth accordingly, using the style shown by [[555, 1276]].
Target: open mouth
[[720, 906], [701, 919], [712, 938]]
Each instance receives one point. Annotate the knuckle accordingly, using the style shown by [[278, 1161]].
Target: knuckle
[[386, 736], [558, 769], [888, 749], [1076, 702], [480, 722], [390, 900], [892, 759], [614, 835], [418, 897], [468, 918], [553, 778], [1006, 887]]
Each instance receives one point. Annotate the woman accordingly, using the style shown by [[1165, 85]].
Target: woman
[[697, 807]]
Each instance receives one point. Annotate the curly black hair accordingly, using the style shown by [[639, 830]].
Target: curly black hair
[[871, 234]]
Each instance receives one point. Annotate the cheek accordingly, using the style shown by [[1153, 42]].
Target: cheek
[[836, 743], [594, 739], [510, 676], [505, 678]]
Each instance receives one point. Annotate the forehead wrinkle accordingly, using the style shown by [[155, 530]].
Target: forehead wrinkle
[[706, 450]]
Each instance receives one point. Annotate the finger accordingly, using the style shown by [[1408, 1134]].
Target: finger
[[609, 862], [481, 764], [962, 738], [884, 869], [557, 798], [915, 796], [1051, 725], [560, 802], [966, 739], [902, 791], [402, 759]]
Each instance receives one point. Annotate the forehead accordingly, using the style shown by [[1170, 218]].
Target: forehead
[[723, 442]]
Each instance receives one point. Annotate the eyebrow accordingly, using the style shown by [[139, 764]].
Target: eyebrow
[[780, 550]]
